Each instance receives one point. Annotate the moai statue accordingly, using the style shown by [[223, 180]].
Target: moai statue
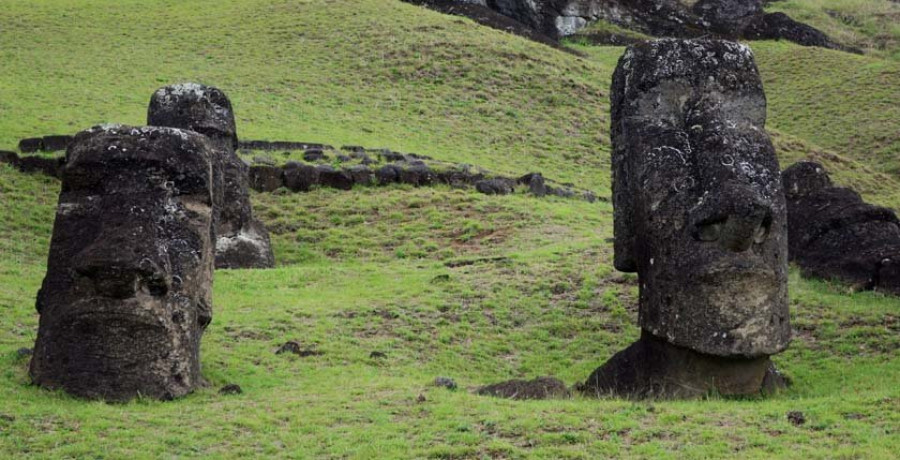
[[127, 293], [700, 216], [834, 234], [241, 240]]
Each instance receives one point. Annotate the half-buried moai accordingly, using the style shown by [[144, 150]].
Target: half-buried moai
[[834, 234], [241, 240], [127, 294], [700, 216]]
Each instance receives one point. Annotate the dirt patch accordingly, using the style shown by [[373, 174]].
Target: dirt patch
[[539, 388]]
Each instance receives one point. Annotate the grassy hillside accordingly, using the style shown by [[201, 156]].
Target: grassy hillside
[[370, 270]]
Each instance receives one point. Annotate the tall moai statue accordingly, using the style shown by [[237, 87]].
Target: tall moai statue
[[700, 215], [128, 294], [241, 240]]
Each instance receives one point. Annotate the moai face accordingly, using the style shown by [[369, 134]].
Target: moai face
[[699, 205], [127, 294]]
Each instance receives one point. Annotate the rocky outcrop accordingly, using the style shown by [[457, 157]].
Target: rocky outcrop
[[732, 19], [835, 235], [243, 241], [700, 215], [127, 293]]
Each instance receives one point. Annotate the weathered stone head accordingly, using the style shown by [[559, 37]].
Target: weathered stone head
[[200, 108], [241, 241], [699, 205], [127, 293]]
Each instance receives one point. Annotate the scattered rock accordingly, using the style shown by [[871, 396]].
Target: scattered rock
[[796, 417], [231, 389], [421, 398], [440, 279], [361, 175], [535, 183], [418, 175], [378, 355], [539, 388], [445, 382], [294, 347], [495, 186], [314, 155]]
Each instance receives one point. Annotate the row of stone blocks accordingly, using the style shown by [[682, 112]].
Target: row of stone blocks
[[301, 177]]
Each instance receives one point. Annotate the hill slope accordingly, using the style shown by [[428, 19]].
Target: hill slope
[[529, 289]]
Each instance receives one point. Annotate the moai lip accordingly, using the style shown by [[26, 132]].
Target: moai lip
[[699, 208], [241, 240], [127, 294]]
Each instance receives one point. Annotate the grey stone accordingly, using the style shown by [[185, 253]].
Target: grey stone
[[127, 294]]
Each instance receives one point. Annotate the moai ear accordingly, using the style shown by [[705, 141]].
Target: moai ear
[[623, 216]]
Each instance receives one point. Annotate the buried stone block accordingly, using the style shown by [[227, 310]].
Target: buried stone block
[[208, 111], [300, 177], [266, 178], [31, 145], [699, 214], [127, 294], [834, 234]]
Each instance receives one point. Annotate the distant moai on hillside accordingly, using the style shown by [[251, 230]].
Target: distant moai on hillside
[[700, 215], [834, 234], [128, 294], [241, 240]]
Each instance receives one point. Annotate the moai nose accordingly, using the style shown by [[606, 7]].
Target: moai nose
[[735, 216], [120, 272]]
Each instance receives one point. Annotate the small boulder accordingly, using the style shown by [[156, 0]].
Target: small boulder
[[300, 178], [31, 145], [334, 178], [266, 178], [499, 186], [313, 155], [388, 174]]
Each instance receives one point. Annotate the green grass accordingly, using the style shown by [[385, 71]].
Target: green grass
[[367, 270], [870, 25]]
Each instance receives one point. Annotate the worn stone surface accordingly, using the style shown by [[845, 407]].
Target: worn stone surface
[[31, 145], [207, 110], [539, 388], [265, 178], [495, 186], [56, 143], [699, 209], [127, 294], [834, 234]]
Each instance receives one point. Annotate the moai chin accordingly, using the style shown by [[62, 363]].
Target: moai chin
[[700, 216], [127, 294], [241, 240]]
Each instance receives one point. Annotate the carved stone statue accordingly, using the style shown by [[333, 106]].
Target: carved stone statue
[[127, 293], [700, 216], [834, 234], [241, 240]]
